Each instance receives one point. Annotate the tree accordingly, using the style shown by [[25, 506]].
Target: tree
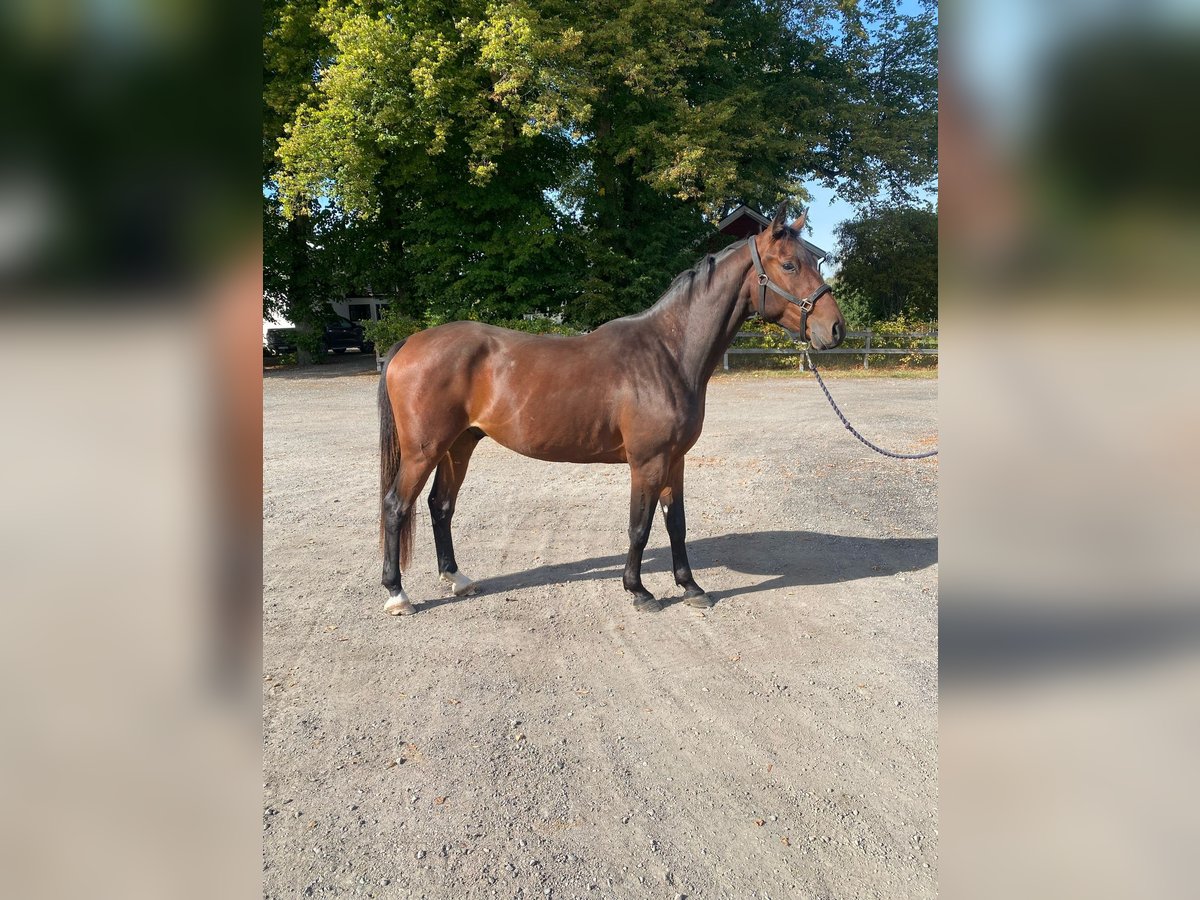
[[510, 156], [888, 264], [293, 286]]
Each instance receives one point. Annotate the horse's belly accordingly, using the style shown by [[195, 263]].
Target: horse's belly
[[551, 453], [555, 436]]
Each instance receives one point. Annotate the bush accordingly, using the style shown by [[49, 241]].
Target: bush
[[392, 326], [855, 308], [536, 326], [885, 335], [310, 345], [767, 336], [773, 336], [888, 262], [889, 334]]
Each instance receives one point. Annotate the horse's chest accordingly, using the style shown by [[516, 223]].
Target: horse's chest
[[672, 419]]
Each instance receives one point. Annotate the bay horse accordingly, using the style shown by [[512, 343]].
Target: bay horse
[[632, 391]]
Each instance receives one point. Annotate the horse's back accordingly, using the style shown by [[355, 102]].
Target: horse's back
[[461, 352], [548, 396]]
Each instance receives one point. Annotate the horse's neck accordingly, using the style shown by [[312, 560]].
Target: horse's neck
[[698, 328]]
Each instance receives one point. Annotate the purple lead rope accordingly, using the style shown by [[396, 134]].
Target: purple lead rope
[[850, 427]]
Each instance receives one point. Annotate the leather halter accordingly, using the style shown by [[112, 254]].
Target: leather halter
[[764, 282]]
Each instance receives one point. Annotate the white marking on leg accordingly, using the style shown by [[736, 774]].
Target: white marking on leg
[[399, 605], [459, 583]]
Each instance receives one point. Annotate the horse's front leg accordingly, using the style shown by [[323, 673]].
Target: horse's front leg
[[672, 504], [647, 482]]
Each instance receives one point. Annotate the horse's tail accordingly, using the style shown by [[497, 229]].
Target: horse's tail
[[389, 458]]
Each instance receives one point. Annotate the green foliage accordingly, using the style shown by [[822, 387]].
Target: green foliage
[[888, 265], [905, 333], [757, 333], [393, 325], [901, 332], [536, 326], [903, 324], [854, 306], [485, 159], [310, 344]]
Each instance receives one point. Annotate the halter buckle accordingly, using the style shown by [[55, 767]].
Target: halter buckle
[[806, 305]]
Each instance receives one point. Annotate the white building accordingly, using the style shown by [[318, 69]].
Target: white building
[[360, 309]]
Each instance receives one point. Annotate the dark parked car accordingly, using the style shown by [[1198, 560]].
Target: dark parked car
[[339, 336]]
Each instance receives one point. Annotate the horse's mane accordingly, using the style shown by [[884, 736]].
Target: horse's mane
[[706, 266]]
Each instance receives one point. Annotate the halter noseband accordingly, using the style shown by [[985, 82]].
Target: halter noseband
[[764, 282]]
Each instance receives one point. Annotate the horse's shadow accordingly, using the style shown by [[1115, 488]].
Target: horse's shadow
[[785, 558]]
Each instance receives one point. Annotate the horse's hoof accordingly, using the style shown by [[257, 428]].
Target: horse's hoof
[[460, 583], [699, 601], [647, 603], [399, 606]]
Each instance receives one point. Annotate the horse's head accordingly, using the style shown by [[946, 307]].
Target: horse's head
[[785, 266]]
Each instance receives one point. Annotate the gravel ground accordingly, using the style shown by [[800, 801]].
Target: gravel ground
[[542, 739]]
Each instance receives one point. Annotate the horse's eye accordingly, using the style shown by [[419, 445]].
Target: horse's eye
[[789, 267]]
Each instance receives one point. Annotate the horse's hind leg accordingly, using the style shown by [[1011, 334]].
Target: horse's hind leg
[[397, 528], [451, 472]]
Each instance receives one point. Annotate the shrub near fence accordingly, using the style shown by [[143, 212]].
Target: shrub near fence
[[898, 343]]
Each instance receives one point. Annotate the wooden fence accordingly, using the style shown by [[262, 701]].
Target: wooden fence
[[866, 351]]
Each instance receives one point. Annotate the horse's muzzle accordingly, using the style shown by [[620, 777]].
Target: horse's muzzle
[[823, 338]]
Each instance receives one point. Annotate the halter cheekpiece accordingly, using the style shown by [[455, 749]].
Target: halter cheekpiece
[[765, 282]]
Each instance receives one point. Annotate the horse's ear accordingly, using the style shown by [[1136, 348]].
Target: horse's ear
[[778, 226], [799, 223]]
